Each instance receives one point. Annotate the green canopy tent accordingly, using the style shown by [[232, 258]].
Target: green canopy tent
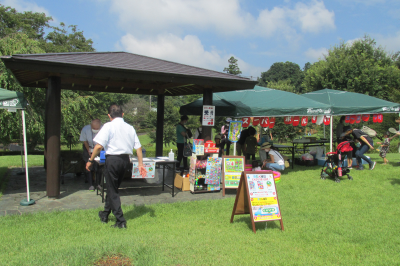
[[351, 103], [259, 102], [13, 100]]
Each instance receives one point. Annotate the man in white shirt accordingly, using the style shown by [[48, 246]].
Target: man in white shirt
[[118, 139], [87, 135]]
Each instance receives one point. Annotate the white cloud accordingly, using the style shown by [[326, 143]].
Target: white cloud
[[188, 50], [21, 6], [314, 17], [389, 43], [158, 15], [222, 16], [315, 54]]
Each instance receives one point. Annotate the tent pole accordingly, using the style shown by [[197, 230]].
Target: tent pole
[[330, 142], [29, 201]]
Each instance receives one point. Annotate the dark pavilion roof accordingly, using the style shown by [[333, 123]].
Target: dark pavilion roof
[[120, 72]]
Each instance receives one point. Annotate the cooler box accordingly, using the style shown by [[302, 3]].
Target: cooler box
[[321, 161]]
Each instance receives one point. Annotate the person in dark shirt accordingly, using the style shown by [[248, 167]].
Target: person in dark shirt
[[241, 144], [366, 143]]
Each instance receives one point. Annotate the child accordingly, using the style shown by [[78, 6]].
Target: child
[[255, 166], [385, 146], [251, 145]]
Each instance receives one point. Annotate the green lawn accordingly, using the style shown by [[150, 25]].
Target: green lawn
[[326, 223]]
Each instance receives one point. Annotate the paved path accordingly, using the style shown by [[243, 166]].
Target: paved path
[[75, 193]]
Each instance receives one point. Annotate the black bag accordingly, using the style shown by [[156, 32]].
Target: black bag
[[200, 136], [189, 133], [187, 149]]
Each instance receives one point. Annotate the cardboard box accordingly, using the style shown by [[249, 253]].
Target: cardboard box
[[182, 183]]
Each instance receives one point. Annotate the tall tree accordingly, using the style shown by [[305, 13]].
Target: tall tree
[[287, 72], [233, 67], [24, 33], [361, 67]]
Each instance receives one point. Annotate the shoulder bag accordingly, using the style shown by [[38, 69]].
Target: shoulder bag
[[187, 149]]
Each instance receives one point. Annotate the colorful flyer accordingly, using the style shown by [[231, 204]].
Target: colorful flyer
[[263, 197], [233, 168], [198, 146], [208, 115], [233, 165], [232, 180], [213, 171], [235, 128], [150, 168]]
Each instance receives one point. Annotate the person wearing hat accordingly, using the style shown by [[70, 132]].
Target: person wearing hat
[[276, 161], [266, 136], [224, 135]]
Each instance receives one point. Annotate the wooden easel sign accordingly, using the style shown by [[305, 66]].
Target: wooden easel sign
[[258, 197], [232, 168]]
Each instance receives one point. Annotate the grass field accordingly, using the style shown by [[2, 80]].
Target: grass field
[[326, 223]]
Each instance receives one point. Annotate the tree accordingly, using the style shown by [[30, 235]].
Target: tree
[[358, 67], [171, 119], [289, 73], [233, 67], [24, 33], [283, 85]]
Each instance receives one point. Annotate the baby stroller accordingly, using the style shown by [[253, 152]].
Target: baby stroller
[[333, 165]]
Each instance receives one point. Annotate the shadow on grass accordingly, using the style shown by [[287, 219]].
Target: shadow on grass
[[138, 211], [394, 181], [245, 218]]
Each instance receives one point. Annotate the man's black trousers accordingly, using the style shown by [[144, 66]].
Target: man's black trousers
[[114, 171]]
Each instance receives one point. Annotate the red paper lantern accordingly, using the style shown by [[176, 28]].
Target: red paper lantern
[[304, 121], [365, 118], [380, 118], [271, 122], [327, 120], [246, 121], [296, 121], [358, 119], [347, 119], [288, 120], [375, 118], [353, 119], [265, 122], [256, 121], [314, 119]]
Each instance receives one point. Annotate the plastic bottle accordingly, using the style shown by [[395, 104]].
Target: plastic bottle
[[171, 155]]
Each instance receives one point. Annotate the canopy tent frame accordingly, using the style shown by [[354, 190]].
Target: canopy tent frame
[[351, 103], [13, 101]]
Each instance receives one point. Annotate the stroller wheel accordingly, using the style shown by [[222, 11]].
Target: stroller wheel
[[350, 177], [337, 180]]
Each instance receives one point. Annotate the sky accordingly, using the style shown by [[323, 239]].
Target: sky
[[206, 33]]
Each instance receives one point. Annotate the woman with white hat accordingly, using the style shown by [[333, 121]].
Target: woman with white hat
[[276, 161]]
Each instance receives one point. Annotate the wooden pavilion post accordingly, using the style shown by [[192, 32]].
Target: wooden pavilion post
[[53, 128], [207, 100], [160, 125]]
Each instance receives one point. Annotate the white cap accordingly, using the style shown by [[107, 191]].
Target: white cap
[[228, 119]]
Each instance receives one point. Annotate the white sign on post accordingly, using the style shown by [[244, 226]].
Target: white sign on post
[[208, 115]]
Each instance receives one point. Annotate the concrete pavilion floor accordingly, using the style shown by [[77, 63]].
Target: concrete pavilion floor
[[75, 193]]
